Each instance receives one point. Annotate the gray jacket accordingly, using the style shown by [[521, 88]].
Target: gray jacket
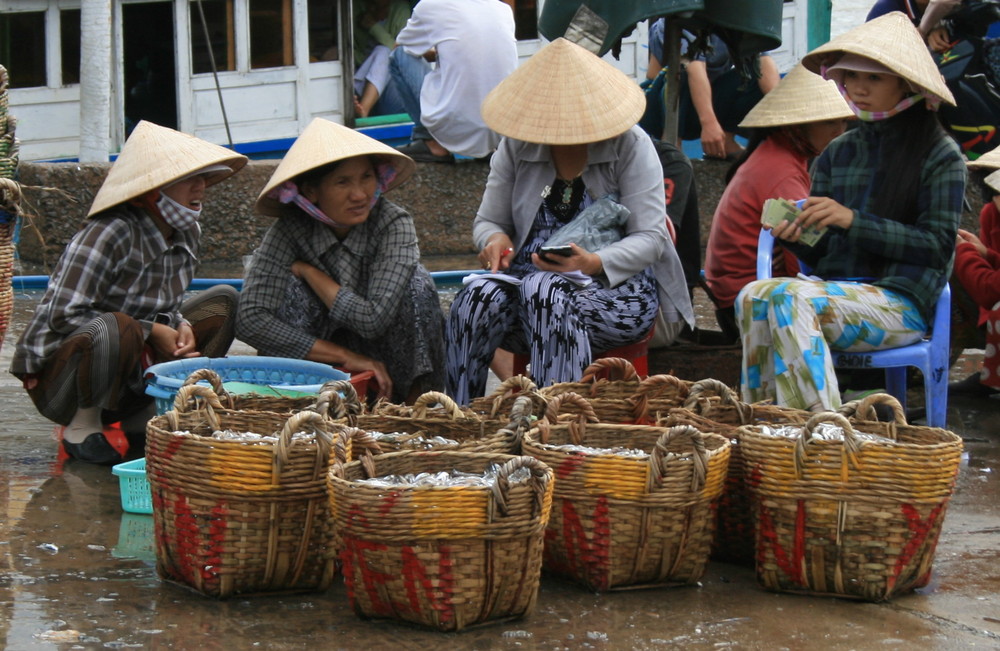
[[627, 166]]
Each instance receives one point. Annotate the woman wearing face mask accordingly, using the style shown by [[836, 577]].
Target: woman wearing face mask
[[114, 302], [890, 195], [337, 278]]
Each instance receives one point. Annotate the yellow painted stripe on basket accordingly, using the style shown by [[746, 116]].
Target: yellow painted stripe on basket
[[240, 470], [619, 478], [458, 512]]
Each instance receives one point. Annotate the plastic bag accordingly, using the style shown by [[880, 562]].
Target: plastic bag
[[598, 225]]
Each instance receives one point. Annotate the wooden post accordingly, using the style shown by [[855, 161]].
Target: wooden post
[[346, 23], [671, 89]]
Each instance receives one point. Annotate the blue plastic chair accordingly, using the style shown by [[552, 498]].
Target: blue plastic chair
[[930, 354]]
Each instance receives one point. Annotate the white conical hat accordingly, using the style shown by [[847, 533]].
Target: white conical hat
[[325, 142], [155, 156], [564, 95], [893, 41], [801, 96], [989, 160], [993, 180]]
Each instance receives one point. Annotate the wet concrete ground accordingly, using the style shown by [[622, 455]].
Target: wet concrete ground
[[78, 573]]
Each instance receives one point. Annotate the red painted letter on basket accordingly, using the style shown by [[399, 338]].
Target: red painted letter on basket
[[592, 563], [353, 558]]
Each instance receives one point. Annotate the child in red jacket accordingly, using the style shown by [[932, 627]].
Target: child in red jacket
[[977, 266]]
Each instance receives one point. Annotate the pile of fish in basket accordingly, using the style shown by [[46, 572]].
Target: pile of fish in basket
[[448, 516]]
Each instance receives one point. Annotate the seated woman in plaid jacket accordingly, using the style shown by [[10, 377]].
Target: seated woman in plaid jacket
[[337, 278]]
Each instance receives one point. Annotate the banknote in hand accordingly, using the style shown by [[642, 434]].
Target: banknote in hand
[[777, 211]]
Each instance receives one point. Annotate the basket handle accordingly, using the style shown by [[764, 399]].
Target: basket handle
[[851, 445], [612, 368], [555, 404], [331, 404], [210, 376], [864, 409], [540, 476], [300, 422], [187, 401], [425, 401], [359, 439], [511, 386], [651, 386], [662, 455], [521, 415], [698, 403], [187, 398], [343, 387]]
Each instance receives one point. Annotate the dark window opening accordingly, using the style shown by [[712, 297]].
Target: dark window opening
[[271, 33], [22, 48], [323, 34], [149, 64], [69, 41], [219, 20], [525, 18]]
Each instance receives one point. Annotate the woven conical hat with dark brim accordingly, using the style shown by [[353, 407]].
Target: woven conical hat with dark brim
[[893, 41], [153, 157], [325, 142], [564, 95], [800, 97], [989, 160]]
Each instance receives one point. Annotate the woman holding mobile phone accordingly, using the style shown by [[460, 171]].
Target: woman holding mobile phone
[[565, 146]]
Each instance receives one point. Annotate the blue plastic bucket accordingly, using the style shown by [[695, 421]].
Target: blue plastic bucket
[[164, 380]]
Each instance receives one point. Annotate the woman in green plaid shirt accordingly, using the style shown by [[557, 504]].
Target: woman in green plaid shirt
[[889, 196]]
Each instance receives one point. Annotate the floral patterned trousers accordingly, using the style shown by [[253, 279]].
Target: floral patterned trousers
[[788, 327]]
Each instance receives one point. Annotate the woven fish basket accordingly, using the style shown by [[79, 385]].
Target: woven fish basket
[[621, 521], [499, 403], [464, 430], [444, 557], [238, 518], [854, 518], [712, 406]]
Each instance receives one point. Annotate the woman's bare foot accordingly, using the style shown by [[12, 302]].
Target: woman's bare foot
[[359, 110]]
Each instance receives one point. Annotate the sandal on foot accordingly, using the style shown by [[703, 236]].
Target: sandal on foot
[[94, 449]]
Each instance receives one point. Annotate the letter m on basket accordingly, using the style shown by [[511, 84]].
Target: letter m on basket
[[571, 552]]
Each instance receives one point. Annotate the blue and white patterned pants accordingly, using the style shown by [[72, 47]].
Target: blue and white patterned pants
[[548, 316]]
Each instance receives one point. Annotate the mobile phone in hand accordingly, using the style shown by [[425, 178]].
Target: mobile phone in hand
[[563, 251]]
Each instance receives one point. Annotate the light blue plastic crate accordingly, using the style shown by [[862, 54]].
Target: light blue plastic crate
[[134, 486], [164, 380]]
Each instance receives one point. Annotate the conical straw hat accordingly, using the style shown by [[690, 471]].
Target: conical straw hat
[[993, 180], [325, 142], [154, 156], [800, 97], [893, 41], [564, 95], [990, 159]]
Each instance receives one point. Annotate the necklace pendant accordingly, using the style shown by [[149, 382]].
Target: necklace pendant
[[567, 193]]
